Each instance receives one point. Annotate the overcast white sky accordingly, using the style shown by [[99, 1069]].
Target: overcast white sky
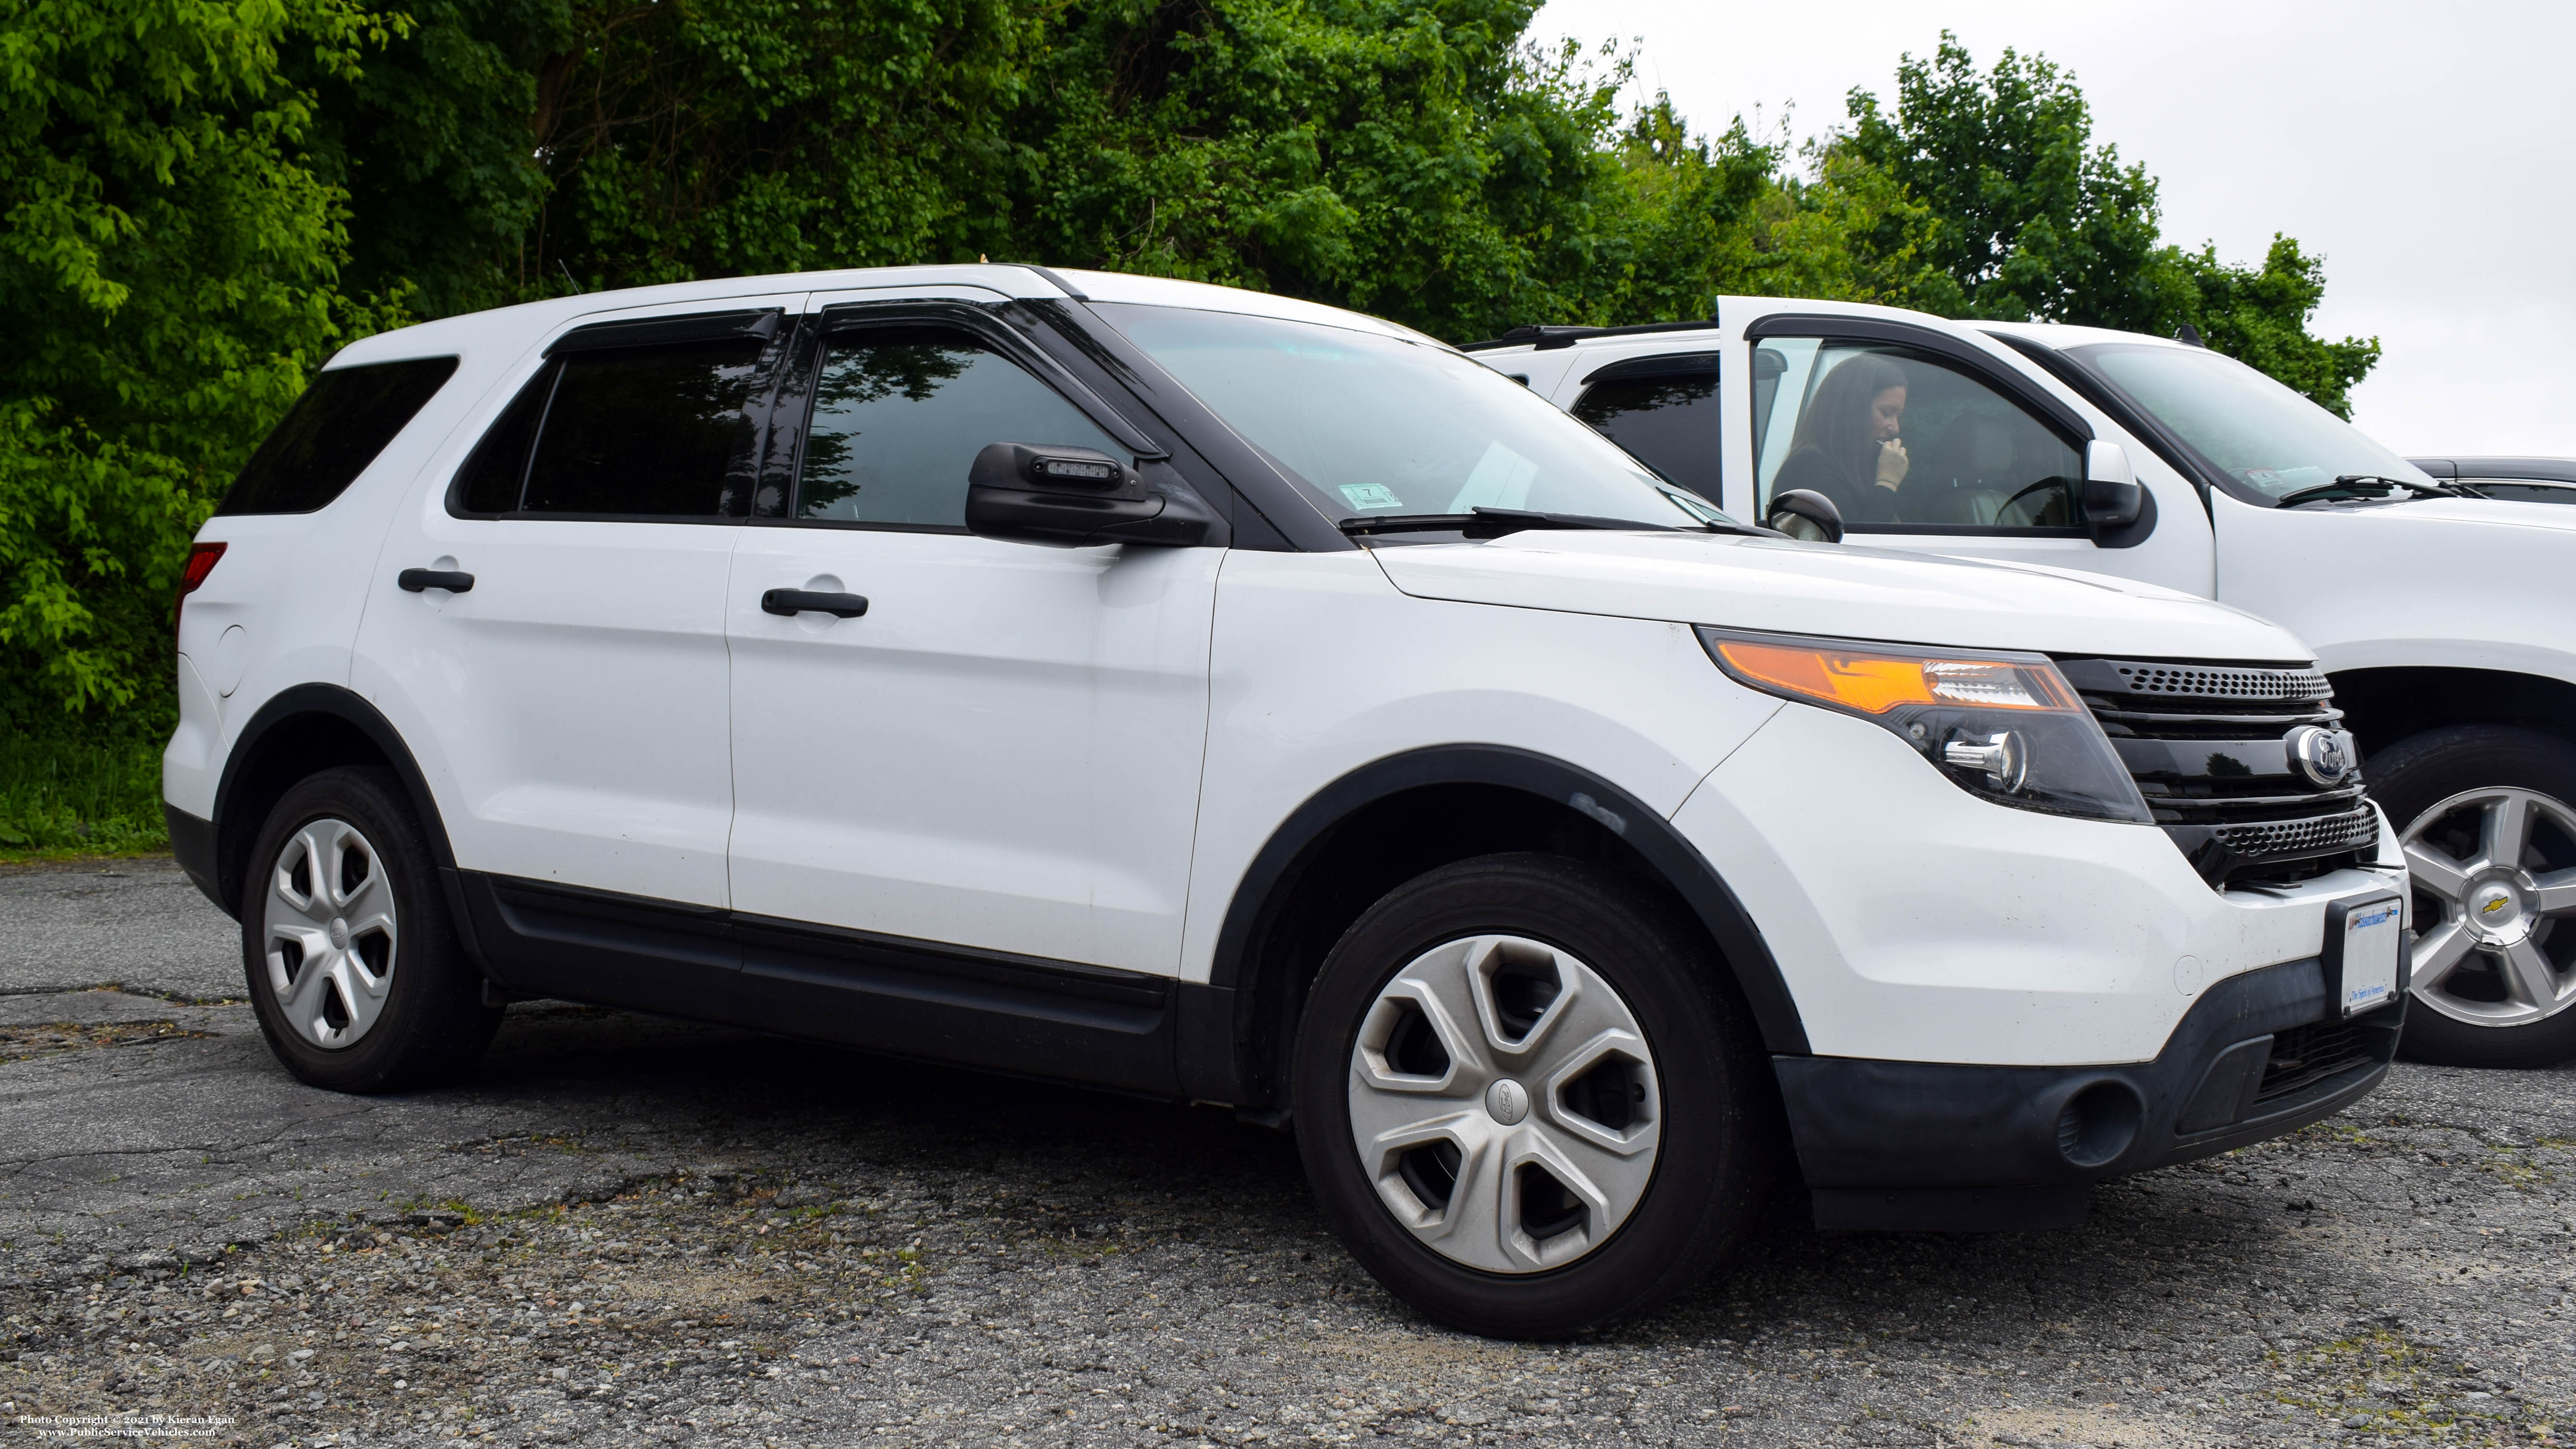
[[2423, 148]]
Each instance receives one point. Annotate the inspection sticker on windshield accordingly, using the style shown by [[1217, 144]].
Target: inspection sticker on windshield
[[2373, 934], [1371, 495]]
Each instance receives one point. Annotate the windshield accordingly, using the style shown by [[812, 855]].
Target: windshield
[[1379, 427], [2246, 425]]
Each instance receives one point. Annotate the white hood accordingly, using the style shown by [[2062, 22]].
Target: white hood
[[1851, 593]]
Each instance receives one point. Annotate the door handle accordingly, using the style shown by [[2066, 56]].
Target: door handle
[[788, 603], [412, 581]]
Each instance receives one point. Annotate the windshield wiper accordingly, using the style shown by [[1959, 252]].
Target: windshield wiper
[[2350, 485], [1496, 522]]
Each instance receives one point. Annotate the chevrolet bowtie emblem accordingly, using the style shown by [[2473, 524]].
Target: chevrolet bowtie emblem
[[2491, 907]]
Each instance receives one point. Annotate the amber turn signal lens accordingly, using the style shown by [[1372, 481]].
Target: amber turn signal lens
[[1874, 683]]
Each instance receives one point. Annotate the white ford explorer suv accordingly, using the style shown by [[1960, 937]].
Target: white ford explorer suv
[[2439, 611], [1221, 697]]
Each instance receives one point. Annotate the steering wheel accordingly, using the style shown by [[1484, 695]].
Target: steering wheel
[[2040, 486]]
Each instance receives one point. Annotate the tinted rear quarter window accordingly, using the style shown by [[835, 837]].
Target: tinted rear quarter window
[[1663, 410], [332, 433]]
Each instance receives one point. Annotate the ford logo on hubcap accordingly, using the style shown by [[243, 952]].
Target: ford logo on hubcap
[[2321, 754]]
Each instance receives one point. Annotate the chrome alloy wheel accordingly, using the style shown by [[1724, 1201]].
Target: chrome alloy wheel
[[331, 934], [2500, 863], [1503, 1100]]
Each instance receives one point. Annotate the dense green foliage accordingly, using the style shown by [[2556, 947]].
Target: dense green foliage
[[201, 199], [166, 282]]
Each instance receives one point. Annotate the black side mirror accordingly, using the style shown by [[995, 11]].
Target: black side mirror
[[1077, 497], [1806, 515]]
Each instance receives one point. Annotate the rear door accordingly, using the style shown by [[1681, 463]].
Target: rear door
[[556, 654]]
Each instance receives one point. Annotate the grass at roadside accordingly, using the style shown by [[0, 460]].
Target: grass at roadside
[[77, 793]]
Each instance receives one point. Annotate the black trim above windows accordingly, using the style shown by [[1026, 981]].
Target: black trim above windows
[[1666, 364], [763, 324]]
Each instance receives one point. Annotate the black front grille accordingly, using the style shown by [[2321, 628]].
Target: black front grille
[[2209, 745], [2303, 1056], [2212, 682]]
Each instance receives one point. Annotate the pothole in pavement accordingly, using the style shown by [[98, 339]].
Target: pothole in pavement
[[26, 1043]]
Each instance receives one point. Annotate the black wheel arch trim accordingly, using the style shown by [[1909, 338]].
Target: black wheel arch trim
[[232, 838], [1292, 843]]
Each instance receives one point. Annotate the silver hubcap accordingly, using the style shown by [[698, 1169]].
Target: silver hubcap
[[331, 934], [1504, 1102], [2501, 864]]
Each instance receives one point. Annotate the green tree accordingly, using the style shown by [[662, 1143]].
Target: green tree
[[434, 139], [167, 280], [2023, 216], [1982, 195], [2259, 316]]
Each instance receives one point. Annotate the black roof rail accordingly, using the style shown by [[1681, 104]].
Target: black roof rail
[[1546, 339]]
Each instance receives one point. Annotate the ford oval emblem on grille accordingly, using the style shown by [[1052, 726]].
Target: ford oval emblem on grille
[[2321, 754]]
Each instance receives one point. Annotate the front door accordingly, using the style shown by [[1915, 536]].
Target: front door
[[1932, 453], [1002, 751]]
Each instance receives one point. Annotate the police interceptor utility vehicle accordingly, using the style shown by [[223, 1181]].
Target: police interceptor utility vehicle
[[2435, 593], [1210, 695]]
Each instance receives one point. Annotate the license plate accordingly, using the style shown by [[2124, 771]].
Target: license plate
[[2373, 934]]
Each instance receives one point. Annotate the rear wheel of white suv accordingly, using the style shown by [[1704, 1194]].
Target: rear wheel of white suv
[[2487, 816], [353, 964], [1526, 1101]]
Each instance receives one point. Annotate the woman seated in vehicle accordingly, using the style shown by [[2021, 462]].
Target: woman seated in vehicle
[[1847, 446]]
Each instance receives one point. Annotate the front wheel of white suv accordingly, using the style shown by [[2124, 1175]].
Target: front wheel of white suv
[[2487, 817], [1527, 1101], [354, 967]]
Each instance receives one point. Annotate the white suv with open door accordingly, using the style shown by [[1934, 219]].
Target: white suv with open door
[[2438, 610], [1221, 697]]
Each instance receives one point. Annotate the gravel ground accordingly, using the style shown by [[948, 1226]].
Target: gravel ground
[[626, 1231]]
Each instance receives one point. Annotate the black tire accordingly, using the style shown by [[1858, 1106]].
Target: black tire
[[2414, 776], [433, 1023], [1717, 1110]]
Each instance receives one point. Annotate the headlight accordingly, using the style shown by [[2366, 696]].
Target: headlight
[[2003, 726]]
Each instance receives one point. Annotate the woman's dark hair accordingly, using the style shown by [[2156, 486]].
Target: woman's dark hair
[[1837, 422]]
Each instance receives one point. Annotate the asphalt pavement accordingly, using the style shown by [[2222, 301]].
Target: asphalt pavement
[[623, 1231]]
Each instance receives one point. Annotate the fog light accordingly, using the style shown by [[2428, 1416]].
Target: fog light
[[2098, 1123], [2003, 757]]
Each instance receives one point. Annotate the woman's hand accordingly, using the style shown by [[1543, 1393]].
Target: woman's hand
[[1892, 462]]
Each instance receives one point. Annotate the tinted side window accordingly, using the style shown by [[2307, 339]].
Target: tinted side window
[[1663, 410], [1897, 437], [648, 432], [332, 433], [497, 469], [901, 412]]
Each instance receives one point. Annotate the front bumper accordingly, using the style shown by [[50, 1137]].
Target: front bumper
[[1944, 1146], [1912, 921]]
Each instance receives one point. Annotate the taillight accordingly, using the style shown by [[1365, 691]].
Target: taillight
[[201, 562]]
